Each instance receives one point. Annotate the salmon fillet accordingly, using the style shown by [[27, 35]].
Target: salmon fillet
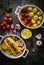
[[14, 53], [13, 42]]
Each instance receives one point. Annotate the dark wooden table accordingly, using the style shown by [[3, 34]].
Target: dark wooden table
[[30, 42]]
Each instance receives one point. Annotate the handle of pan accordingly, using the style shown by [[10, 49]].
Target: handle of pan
[[42, 26], [27, 51], [1, 37], [17, 10]]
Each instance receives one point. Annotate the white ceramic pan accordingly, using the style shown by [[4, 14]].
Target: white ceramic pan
[[14, 57], [18, 10]]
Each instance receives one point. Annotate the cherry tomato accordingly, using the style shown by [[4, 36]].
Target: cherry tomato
[[23, 15], [23, 18], [8, 26], [10, 19], [4, 23], [25, 22], [5, 19], [4, 28], [29, 18], [8, 15], [1, 25], [26, 15]]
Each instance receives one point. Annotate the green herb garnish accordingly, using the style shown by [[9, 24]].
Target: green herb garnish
[[35, 58], [15, 49], [7, 41], [16, 39], [11, 45], [8, 9]]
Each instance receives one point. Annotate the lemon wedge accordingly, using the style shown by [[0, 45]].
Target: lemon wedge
[[26, 33]]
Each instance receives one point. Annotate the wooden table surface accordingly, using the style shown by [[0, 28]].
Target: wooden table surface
[[32, 41]]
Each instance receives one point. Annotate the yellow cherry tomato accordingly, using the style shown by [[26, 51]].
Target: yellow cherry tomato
[[35, 17], [38, 22], [40, 17], [34, 10], [29, 8], [38, 13], [35, 25], [33, 21], [31, 14]]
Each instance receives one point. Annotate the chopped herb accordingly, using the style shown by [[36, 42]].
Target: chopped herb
[[11, 45], [8, 9], [15, 49], [16, 39], [7, 41], [35, 58]]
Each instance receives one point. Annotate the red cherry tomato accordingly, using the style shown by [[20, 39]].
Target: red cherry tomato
[[5, 19], [1, 25], [8, 15], [10, 19], [29, 18], [8, 26], [4, 23], [4, 28], [23, 15], [25, 22], [26, 15]]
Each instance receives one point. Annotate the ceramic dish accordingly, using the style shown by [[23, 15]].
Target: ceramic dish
[[34, 13], [13, 43]]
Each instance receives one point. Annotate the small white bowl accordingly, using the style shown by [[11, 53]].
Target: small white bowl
[[29, 33]]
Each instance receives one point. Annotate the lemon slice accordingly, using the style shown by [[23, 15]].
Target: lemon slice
[[26, 33]]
